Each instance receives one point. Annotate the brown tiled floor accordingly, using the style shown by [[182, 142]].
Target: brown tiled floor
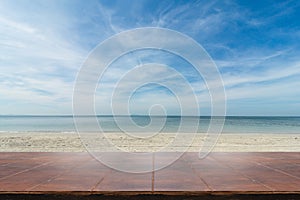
[[219, 172]]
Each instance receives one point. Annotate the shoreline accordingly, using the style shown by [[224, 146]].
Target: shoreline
[[70, 142]]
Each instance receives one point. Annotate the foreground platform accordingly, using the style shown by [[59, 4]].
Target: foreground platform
[[218, 176]]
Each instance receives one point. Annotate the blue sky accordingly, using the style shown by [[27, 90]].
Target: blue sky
[[255, 45]]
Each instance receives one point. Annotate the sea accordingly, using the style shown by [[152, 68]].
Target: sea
[[65, 124]]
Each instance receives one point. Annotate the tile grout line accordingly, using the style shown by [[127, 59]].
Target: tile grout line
[[100, 181], [153, 172], [9, 163], [205, 183], [248, 177], [97, 184], [26, 170], [4, 165], [16, 161], [275, 169], [54, 177]]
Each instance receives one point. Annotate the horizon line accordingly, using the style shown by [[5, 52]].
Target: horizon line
[[136, 115]]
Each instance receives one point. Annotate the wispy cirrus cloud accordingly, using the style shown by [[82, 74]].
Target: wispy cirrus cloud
[[43, 45]]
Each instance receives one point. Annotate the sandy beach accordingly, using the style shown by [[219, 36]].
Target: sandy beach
[[70, 142]]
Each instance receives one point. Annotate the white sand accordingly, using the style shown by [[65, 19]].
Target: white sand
[[70, 142]]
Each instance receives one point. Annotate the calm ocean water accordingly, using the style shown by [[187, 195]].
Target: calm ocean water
[[66, 124]]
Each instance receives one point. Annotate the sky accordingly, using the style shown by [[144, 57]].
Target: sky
[[255, 45]]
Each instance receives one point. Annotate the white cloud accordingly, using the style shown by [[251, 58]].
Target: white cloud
[[17, 26], [43, 46]]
